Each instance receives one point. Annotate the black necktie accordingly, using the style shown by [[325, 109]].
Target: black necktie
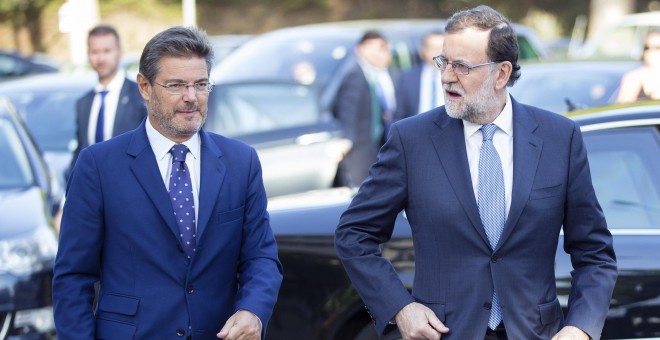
[[99, 122]]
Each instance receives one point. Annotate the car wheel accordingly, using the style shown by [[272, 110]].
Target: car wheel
[[369, 333]]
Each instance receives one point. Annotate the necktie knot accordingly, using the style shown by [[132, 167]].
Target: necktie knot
[[103, 94], [179, 152], [488, 131]]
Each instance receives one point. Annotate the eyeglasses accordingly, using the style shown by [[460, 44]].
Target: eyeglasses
[[458, 67], [651, 48], [202, 87]]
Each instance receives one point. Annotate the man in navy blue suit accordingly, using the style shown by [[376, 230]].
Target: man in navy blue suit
[[168, 219], [487, 184], [123, 107], [419, 89]]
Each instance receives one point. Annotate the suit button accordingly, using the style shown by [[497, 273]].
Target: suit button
[[487, 306], [190, 289], [180, 332], [494, 258]]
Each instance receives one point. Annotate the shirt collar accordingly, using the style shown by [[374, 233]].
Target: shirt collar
[[115, 84], [161, 145], [504, 121]]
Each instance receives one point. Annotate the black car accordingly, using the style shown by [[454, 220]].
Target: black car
[[624, 153], [29, 196], [14, 65]]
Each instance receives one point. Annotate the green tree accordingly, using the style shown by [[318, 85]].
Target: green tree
[[24, 14]]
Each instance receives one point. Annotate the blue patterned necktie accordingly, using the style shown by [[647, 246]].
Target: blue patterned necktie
[[492, 208], [183, 202], [98, 137]]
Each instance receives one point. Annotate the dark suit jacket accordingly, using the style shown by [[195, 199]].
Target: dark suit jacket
[[118, 228], [130, 112], [423, 169], [354, 105], [407, 93]]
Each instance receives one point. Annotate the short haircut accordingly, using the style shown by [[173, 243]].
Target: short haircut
[[104, 30], [371, 34], [502, 41], [175, 42]]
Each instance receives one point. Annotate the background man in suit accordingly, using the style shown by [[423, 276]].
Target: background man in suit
[[485, 214], [364, 106], [115, 99], [419, 88], [196, 262]]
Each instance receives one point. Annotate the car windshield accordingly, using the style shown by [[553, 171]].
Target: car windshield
[[15, 171], [49, 116], [243, 109], [311, 59]]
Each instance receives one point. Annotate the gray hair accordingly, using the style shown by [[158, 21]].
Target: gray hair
[[502, 42], [174, 42]]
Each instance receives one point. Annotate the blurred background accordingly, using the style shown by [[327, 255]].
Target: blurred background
[[57, 28]]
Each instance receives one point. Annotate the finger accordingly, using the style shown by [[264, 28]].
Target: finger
[[224, 332], [437, 324]]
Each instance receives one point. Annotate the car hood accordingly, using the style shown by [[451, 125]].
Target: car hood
[[22, 211]]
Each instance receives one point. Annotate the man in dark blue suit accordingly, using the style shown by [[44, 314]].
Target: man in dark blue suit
[[170, 220], [419, 89], [123, 107], [487, 185], [364, 106]]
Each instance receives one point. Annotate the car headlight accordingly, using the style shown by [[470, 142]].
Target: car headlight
[[27, 254]]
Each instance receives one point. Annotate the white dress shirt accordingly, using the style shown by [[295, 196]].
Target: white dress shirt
[[110, 107], [426, 99], [503, 142], [161, 146]]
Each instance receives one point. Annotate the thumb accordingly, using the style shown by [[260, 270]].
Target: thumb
[[436, 323], [225, 329]]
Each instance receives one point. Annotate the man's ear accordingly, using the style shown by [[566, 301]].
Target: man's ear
[[144, 86], [503, 74]]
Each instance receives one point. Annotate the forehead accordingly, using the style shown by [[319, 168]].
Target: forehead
[[183, 68], [467, 45], [102, 39]]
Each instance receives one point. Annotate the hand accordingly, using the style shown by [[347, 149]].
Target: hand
[[416, 321], [243, 325], [571, 333]]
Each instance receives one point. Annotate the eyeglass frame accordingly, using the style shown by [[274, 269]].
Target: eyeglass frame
[[168, 88], [439, 60]]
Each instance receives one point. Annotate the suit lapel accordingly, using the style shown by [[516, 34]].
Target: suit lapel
[[124, 100], [146, 171], [212, 175], [449, 144], [526, 154]]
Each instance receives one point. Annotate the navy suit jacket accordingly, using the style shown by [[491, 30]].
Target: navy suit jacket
[[407, 93], [423, 168], [118, 227], [130, 113]]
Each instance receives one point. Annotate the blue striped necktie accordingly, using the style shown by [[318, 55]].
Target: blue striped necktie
[[492, 208]]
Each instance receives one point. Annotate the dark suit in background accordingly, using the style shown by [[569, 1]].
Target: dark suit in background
[[407, 93], [130, 113]]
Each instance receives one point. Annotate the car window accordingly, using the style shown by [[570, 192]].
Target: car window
[[625, 166], [50, 117], [527, 50], [243, 109], [15, 171]]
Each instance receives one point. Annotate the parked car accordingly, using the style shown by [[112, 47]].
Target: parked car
[[47, 105], [319, 54], [14, 65], [29, 195], [224, 44], [299, 148], [570, 85], [623, 148], [622, 38]]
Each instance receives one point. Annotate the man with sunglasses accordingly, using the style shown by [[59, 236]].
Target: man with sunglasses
[[487, 184]]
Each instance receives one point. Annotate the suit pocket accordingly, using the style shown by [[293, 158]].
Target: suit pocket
[[110, 329], [120, 304], [231, 215], [437, 308], [546, 192], [550, 312]]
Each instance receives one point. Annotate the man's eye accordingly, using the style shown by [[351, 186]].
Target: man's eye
[[201, 86], [176, 86]]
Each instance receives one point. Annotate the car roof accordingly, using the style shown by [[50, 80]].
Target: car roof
[[49, 81], [633, 114]]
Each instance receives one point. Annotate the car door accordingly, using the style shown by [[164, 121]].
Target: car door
[[299, 146], [625, 168]]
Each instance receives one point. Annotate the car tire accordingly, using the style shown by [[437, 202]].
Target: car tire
[[369, 333]]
